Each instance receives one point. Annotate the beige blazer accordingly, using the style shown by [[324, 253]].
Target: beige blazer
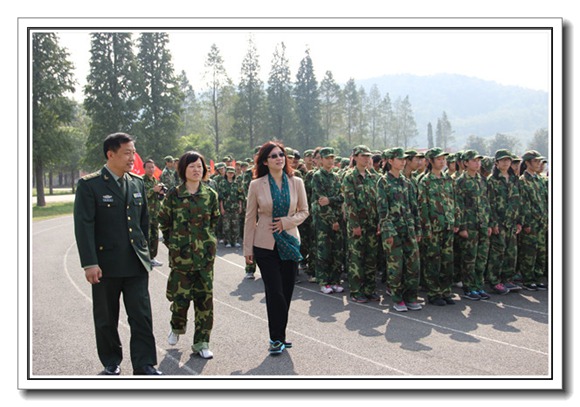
[[259, 206]]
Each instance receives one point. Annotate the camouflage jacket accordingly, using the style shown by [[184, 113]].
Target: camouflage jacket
[[471, 198], [188, 224], [230, 195], [397, 206], [153, 201], [168, 178], [534, 204], [360, 198], [325, 183], [436, 202], [504, 201]]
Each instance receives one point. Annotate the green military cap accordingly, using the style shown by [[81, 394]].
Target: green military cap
[[501, 154], [289, 152], [531, 154], [344, 162], [470, 155], [219, 166], [487, 163], [396, 152], [244, 163], [229, 168], [377, 152], [385, 153], [256, 149], [361, 150], [249, 160], [327, 152], [435, 152], [451, 158], [337, 159], [414, 153], [227, 158], [516, 158], [308, 153], [169, 158]]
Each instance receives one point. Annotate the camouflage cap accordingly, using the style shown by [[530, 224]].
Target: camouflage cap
[[344, 162], [337, 159], [385, 153], [169, 158], [244, 163], [531, 154], [361, 150], [229, 168], [470, 155], [219, 166], [249, 160], [396, 152], [503, 153], [487, 163], [289, 152], [297, 154], [516, 158], [308, 153], [227, 158], [414, 153], [327, 152], [435, 152], [451, 158], [256, 149]]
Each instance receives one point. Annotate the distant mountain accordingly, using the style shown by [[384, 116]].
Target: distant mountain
[[473, 106]]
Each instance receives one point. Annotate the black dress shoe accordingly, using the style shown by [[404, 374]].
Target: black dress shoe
[[147, 370], [112, 370]]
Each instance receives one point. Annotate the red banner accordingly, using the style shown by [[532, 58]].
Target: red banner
[[140, 170]]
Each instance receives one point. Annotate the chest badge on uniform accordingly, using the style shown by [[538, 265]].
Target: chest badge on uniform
[[107, 198], [137, 195]]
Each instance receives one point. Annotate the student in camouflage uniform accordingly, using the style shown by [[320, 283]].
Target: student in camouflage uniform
[[532, 240], [504, 202], [438, 223], [230, 199], [458, 243], [474, 225], [187, 220], [359, 190], [247, 177], [326, 204], [240, 180], [167, 177], [309, 241], [217, 178], [154, 196], [396, 206]]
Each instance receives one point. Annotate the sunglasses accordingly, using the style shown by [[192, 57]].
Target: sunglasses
[[274, 156]]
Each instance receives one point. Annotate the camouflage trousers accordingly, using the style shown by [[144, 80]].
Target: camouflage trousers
[[184, 287], [402, 267], [531, 256], [501, 262], [153, 237], [362, 260], [437, 256], [474, 254], [458, 243], [231, 227], [306, 242], [328, 244]]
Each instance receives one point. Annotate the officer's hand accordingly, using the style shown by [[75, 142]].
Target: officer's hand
[[518, 229], [323, 201], [249, 259], [93, 274]]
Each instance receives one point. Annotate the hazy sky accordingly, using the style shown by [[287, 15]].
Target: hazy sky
[[510, 57]]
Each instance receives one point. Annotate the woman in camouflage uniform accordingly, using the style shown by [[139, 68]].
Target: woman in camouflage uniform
[[188, 220], [230, 197]]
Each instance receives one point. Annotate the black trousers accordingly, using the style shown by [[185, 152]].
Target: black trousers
[[279, 277], [106, 307]]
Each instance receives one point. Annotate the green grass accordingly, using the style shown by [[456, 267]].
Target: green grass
[[52, 210], [55, 191]]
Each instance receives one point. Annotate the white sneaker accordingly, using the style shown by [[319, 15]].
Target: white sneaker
[[238, 245], [337, 288], [249, 276], [155, 263], [228, 245], [326, 289], [205, 353], [173, 338]]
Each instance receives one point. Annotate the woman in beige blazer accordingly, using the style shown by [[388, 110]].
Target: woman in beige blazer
[[276, 205]]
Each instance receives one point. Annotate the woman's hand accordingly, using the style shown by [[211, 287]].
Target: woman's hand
[[277, 226], [249, 259]]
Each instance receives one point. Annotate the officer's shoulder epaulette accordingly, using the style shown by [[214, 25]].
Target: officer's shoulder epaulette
[[136, 175], [91, 176]]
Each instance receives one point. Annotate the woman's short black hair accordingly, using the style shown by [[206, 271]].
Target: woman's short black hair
[[188, 158], [113, 142]]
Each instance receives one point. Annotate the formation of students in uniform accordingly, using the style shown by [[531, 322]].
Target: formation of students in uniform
[[425, 221]]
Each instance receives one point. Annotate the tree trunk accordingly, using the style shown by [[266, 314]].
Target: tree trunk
[[50, 186], [40, 200]]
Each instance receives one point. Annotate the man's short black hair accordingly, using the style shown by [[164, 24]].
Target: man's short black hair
[[113, 142]]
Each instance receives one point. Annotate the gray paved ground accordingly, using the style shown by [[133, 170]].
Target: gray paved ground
[[507, 336]]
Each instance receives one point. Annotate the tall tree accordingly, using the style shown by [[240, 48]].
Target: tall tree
[[406, 127], [191, 120], [501, 141], [280, 102], [374, 114], [219, 91], [430, 143], [444, 133], [362, 125], [250, 105], [477, 143], [307, 105], [52, 80], [351, 108], [388, 122], [159, 97], [110, 91], [540, 142], [330, 102]]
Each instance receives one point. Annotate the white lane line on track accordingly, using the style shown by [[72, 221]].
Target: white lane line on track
[[163, 352], [421, 321]]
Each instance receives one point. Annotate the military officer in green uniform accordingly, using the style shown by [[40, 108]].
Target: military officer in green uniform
[[111, 225]]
